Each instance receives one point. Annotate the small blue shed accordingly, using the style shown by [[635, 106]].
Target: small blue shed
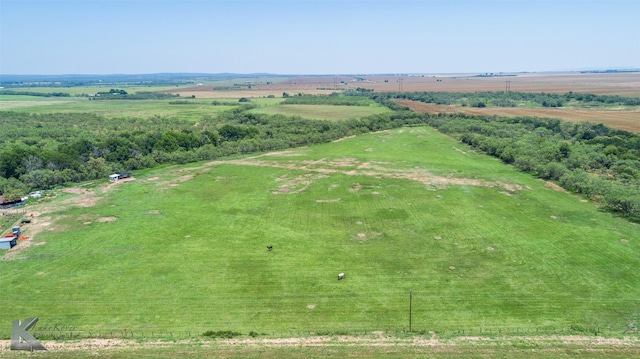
[[8, 242]]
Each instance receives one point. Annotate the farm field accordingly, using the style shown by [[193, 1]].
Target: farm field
[[622, 119], [322, 112], [112, 108], [622, 84], [194, 111], [85, 90], [484, 248]]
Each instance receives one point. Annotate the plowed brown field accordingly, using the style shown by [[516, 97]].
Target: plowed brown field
[[628, 120], [622, 84]]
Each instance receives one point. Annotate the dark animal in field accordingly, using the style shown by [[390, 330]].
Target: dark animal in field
[[269, 248], [340, 276]]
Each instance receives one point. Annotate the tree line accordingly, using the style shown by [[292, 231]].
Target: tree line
[[591, 159], [33, 93], [41, 151], [512, 99]]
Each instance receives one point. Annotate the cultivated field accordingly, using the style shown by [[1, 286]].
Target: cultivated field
[[622, 84], [623, 119], [485, 249]]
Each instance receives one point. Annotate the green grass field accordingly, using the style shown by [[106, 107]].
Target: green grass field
[[79, 90], [482, 247], [193, 112], [111, 108], [322, 112]]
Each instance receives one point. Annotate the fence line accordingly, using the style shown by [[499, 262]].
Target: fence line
[[72, 334]]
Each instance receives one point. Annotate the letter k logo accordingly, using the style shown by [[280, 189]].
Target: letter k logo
[[20, 339]]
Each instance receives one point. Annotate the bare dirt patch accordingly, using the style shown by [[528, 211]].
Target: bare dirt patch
[[298, 184], [554, 186], [76, 190], [337, 166], [335, 200], [344, 138], [119, 182], [106, 219], [83, 200], [184, 178], [362, 236], [37, 225], [376, 338], [459, 150], [285, 153]]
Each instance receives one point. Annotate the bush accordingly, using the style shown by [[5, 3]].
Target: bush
[[226, 334]]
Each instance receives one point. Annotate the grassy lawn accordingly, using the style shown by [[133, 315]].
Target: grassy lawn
[[322, 112], [482, 247]]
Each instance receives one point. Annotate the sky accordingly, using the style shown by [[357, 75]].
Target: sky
[[317, 37]]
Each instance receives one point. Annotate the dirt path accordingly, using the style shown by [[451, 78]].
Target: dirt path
[[373, 340]]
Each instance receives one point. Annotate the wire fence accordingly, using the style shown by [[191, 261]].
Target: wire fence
[[56, 333]]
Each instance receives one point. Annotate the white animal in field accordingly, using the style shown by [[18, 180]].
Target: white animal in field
[[340, 276]]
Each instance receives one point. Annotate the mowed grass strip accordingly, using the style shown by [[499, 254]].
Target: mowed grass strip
[[185, 248]]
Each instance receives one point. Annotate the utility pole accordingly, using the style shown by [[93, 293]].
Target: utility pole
[[410, 300]]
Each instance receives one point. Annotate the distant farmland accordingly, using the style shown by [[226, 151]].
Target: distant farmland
[[622, 84], [628, 120]]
